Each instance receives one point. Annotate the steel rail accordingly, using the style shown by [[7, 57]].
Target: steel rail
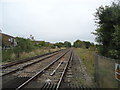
[[40, 72], [21, 68], [64, 71], [27, 59], [56, 68]]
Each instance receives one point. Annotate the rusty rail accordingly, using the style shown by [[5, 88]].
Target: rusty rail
[[40, 72]]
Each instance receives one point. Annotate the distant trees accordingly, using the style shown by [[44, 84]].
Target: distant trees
[[82, 44], [42, 44], [108, 31], [78, 43], [59, 44], [67, 44]]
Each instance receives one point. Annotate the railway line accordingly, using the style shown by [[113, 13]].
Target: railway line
[[76, 77], [28, 71], [4, 66], [17, 66], [50, 75], [49, 72]]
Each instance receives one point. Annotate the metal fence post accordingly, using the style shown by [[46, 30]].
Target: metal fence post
[[96, 70]]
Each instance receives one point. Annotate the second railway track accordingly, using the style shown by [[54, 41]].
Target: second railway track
[[51, 76], [61, 70], [26, 60], [17, 66], [28, 72]]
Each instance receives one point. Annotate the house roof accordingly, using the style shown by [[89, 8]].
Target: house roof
[[7, 35]]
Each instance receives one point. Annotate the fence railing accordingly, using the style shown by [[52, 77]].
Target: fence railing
[[105, 72]]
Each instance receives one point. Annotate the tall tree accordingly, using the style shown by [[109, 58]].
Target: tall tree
[[108, 22]]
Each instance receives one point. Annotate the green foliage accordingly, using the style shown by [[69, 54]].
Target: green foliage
[[87, 44], [23, 45], [52, 46], [108, 31], [43, 44], [116, 35], [87, 56], [59, 44], [6, 55], [67, 44], [82, 44], [116, 39], [78, 43], [26, 48]]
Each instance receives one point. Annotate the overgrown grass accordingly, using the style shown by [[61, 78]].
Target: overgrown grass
[[106, 68], [87, 56], [107, 73], [9, 55]]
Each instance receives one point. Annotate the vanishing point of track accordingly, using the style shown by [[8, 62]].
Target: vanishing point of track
[[29, 63], [58, 70]]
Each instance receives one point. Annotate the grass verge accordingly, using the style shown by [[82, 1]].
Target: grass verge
[[9, 55], [87, 57]]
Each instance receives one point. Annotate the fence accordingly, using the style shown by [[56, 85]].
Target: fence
[[105, 72]]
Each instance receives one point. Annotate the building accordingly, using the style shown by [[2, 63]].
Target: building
[[7, 41]]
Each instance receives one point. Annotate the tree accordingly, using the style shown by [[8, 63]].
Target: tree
[[82, 44], [108, 22], [87, 44], [59, 44], [67, 44], [23, 45], [78, 44], [116, 39]]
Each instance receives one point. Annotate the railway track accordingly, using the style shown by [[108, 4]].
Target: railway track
[[26, 60], [29, 71], [76, 77], [17, 66], [51, 74], [61, 71]]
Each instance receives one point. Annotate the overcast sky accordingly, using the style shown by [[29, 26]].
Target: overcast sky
[[50, 20]]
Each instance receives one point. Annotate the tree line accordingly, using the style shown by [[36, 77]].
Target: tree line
[[27, 45], [107, 33]]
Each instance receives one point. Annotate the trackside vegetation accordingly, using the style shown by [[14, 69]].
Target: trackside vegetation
[[108, 30], [107, 34], [82, 44], [87, 56], [26, 48]]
